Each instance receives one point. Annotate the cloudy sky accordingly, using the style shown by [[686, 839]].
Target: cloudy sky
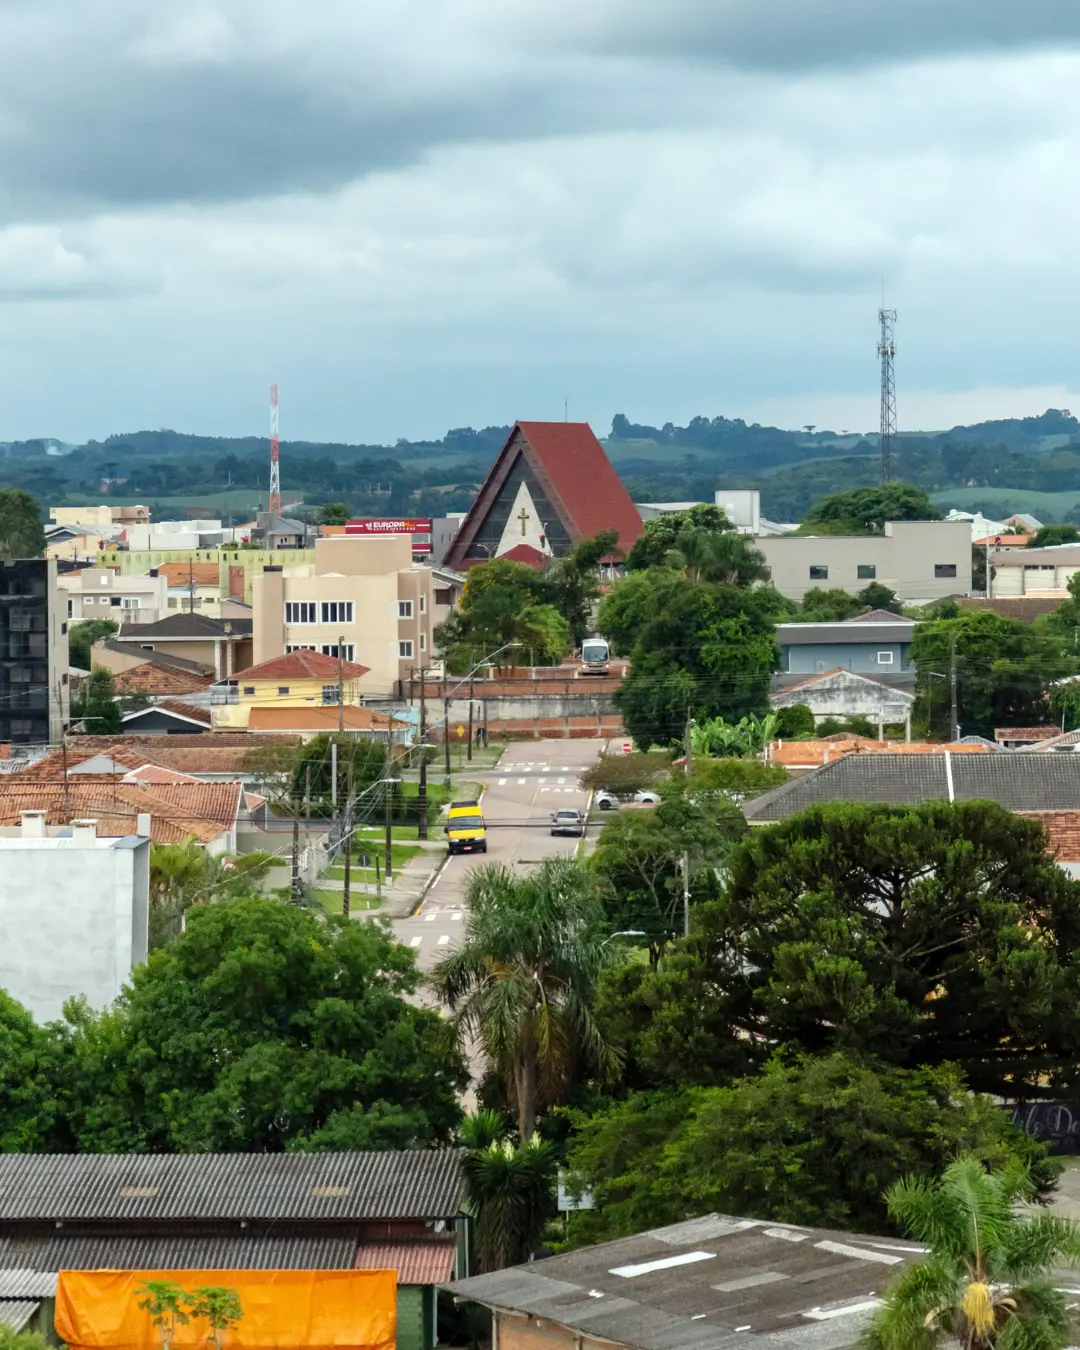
[[431, 213]]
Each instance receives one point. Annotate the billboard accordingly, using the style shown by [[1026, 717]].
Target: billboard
[[419, 528]]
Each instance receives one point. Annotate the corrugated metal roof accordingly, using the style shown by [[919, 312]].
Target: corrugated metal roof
[[713, 1282], [24, 1283], [411, 1184], [428, 1261], [15, 1313], [52, 1252]]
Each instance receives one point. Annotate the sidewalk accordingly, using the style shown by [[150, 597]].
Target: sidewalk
[[408, 888]]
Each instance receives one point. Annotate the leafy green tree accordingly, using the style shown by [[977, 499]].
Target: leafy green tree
[[83, 635], [794, 722], [572, 582], [661, 535], [334, 513], [1004, 671], [31, 1078], [856, 725], [921, 934], [987, 1279], [865, 510], [814, 1140], [749, 736], [701, 650], [95, 705], [626, 608], [704, 555], [219, 1307], [625, 773], [510, 1193], [166, 1303], [877, 596], [182, 875], [1051, 535], [832, 606], [504, 603], [521, 980], [10, 1339], [22, 534], [257, 1029]]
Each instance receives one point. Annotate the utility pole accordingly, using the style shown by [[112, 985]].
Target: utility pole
[[333, 774], [446, 735], [341, 683], [421, 791], [470, 716], [887, 353], [952, 685], [388, 812], [191, 587], [345, 898], [295, 856], [989, 571]]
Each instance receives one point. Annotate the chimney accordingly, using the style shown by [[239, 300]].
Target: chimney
[[33, 824], [5, 749], [84, 833], [142, 824]]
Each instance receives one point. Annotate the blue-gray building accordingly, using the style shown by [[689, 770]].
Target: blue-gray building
[[877, 645]]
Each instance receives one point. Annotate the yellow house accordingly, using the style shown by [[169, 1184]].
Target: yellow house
[[302, 679]]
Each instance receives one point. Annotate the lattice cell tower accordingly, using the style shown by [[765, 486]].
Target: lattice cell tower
[[887, 352], [274, 505]]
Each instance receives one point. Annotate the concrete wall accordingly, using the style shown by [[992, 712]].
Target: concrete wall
[[250, 562], [811, 658], [906, 558], [74, 919], [848, 698]]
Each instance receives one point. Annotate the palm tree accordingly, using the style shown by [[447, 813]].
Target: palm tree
[[521, 981], [984, 1280], [510, 1193]]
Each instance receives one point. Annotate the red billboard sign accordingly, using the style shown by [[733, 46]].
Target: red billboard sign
[[420, 529]]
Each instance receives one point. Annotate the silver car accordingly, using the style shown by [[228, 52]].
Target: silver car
[[568, 822], [607, 801]]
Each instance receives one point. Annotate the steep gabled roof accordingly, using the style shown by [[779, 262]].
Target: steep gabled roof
[[578, 480], [185, 625], [302, 665], [184, 574], [159, 680]]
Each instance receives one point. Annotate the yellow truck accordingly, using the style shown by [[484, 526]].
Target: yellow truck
[[464, 828]]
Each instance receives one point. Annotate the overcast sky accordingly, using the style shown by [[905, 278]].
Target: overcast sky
[[431, 213]]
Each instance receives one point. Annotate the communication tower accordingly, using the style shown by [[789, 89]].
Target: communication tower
[[274, 504], [887, 352]]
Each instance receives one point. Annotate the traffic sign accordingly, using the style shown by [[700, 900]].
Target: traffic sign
[[460, 729], [626, 747]]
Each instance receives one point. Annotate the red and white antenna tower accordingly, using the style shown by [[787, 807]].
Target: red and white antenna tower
[[274, 505]]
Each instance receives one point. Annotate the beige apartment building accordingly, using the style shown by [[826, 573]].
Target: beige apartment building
[[100, 516], [921, 560], [364, 593], [100, 593]]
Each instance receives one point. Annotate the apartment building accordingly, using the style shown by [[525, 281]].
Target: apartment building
[[237, 567], [102, 593], [363, 594], [920, 560], [33, 653], [104, 517]]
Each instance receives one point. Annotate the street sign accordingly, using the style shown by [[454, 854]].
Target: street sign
[[460, 729], [626, 747], [568, 1200]]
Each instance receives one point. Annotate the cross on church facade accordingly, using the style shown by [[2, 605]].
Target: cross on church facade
[[524, 518]]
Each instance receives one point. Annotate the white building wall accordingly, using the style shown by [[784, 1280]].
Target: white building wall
[[74, 919]]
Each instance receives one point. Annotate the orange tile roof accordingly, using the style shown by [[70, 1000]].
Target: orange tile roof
[[156, 681], [53, 765], [1032, 734], [116, 805], [203, 574], [1063, 831], [302, 665], [316, 719], [157, 773], [182, 709], [793, 753]]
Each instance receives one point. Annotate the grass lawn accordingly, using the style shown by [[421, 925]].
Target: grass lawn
[[401, 854], [331, 901], [376, 834]]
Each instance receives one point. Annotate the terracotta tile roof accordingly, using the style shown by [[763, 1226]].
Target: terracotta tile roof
[[203, 574], [211, 752], [1063, 831], [302, 665], [1057, 743], [156, 680], [1030, 734], [877, 616], [52, 765], [215, 803], [114, 805], [157, 773], [793, 753], [186, 710], [424, 1261], [316, 719]]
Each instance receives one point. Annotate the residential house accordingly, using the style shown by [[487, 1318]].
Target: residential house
[[168, 717], [709, 1282], [277, 532], [1019, 738], [243, 1211], [220, 757], [315, 720], [301, 680], [33, 653], [920, 560], [102, 593], [877, 644], [802, 756], [130, 660], [156, 680], [223, 645], [1020, 783], [843, 693], [103, 517], [363, 592], [73, 907], [193, 586]]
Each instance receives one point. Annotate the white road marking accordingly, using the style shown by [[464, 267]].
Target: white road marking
[[416, 941], [543, 780], [456, 918], [429, 918], [521, 782], [560, 780], [502, 782], [443, 940]]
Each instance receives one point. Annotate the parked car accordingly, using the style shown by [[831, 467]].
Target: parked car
[[608, 801], [568, 822]]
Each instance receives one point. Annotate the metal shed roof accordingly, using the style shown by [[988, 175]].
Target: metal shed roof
[[49, 1253], [412, 1184]]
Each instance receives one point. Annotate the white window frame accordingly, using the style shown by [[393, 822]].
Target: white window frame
[[405, 649], [330, 695], [130, 602], [348, 650], [337, 611], [404, 609], [302, 611], [885, 658], [300, 647]]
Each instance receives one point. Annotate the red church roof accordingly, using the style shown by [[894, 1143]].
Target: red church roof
[[525, 553], [577, 476]]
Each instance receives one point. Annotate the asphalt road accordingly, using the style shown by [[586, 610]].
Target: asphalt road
[[533, 779]]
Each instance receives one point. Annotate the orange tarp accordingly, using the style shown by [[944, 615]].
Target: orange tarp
[[283, 1309]]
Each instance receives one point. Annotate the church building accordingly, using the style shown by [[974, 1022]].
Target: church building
[[551, 486]]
